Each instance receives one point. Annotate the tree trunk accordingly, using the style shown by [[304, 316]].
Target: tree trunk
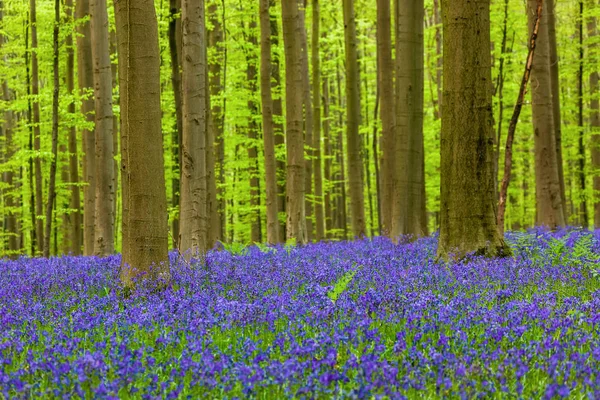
[[174, 34], [215, 124], [86, 82], [30, 173], [35, 92], [295, 185], [53, 162], [342, 203], [583, 214], [594, 108], [104, 243], [328, 157], [308, 121], [193, 222], [547, 179], [267, 122], [316, 87], [555, 87], [467, 202], [385, 79], [357, 201], [145, 226]]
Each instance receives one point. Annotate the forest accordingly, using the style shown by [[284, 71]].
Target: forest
[[299, 199]]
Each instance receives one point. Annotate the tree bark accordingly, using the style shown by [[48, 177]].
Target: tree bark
[[193, 223], [357, 200], [467, 202], [329, 217], [547, 178], [295, 185], [86, 83], [267, 122], [145, 226], [594, 108], [555, 85], [385, 79], [583, 214], [53, 162], [174, 34], [316, 88], [104, 243]]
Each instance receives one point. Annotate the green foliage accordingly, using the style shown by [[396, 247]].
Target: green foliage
[[341, 285]]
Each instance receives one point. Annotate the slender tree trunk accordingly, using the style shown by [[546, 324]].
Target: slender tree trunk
[[72, 220], [499, 89], [357, 201], [385, 79], [53, 162], [515, 118], [145, 225], [215, 124], [174, 34], [583, 214], [267, 122], [328, 157], [35, 92], [594, 107], [548, 193], [104, 243], [278, 120], [555, 86], [116, 151], [316, 87], [86, 83], [30, 147], [308, 121], [295, 184], [467, 203], [437, 20], [342, 203], [193, 221]]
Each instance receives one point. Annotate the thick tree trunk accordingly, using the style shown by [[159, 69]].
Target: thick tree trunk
[[555, 85], [594, 108], [385, 80], [53, 162], [467, 202], [550, 211], [35, 92], [357, 200], [104, 243], [193, 222], [145, 226], [267, 122], [86, 82], [295, 185], [215, 125], [174, 34], [316, 87]]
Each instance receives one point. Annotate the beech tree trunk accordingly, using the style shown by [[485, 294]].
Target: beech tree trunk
[[193, 218], [329, 217], [316, 88], [104, 243], [295, 185], [267, 122], [385, 80], [550, 211], [85, 78], [583, 214], [357, 200], [467, 202], [555, 85], [594, 108], [174, 34], [145, 226]]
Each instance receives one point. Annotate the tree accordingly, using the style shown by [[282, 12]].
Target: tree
[[145, 239], [594, 108], [468, 221], [104, 219], [267, 122], [385, 80], [296, 223], [357, 200], [547, 179], [316, 89], [193, 218], [85, 78]]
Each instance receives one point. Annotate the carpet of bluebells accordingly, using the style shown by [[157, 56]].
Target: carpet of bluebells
[[362, 319]]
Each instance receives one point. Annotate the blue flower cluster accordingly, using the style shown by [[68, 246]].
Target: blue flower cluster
[[263, 324]]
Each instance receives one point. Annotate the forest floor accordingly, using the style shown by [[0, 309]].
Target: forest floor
[[341, 319]]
